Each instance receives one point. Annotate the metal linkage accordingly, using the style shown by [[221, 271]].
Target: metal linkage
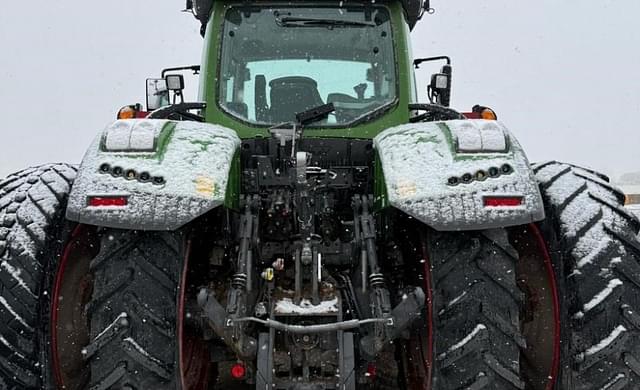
[[403, 315], [306, 254], [302, 198], [318, 328], [393, 321], [216, 316], [241, 283], [366, 235]]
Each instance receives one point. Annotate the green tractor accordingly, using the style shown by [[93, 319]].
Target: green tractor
[[308, 224]]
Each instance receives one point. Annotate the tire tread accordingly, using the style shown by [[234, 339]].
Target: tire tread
[[141, 351], [601, 256], [32, 202], [476, 298]]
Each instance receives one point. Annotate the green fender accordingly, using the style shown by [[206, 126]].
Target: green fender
[[151, 174]]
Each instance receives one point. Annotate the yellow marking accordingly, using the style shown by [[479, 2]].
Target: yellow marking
[[268, 274], [406, 188], [205, 186]]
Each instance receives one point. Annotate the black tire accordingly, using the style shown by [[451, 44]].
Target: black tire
[[596, 254], [32, 234], [133, 311], [476, 311]]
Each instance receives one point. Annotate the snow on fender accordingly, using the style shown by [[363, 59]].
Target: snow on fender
[[458, 175], [153, 174]]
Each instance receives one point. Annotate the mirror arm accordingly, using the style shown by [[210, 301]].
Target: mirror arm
[[419, 61], [194, 68]]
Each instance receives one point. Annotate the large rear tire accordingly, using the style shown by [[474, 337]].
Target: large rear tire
[[470, 336], [476, 311], [134, 309], [32, 234], [594, 245]]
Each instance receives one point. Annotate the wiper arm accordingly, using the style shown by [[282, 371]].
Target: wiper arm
[[291, 21]]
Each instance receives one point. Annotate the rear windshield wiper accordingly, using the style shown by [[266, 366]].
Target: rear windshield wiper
[[291, 21]]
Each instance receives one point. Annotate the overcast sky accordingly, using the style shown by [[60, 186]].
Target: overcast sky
[[562, 74]]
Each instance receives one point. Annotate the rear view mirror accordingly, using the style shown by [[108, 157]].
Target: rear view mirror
[[439, 90], [157, 94], [440, 87]]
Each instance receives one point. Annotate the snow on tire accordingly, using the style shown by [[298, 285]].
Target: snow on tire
[[476, 311], [32, 230], [133, 311], [596, 251]]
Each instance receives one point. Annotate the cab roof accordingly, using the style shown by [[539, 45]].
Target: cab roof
[[414, 9]]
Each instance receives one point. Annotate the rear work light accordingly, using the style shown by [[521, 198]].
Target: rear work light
[[503, 201], [108, 201]]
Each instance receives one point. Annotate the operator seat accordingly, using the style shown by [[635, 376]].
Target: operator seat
[[291, 95]]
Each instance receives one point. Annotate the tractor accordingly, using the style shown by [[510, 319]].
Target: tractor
[[307, 223]]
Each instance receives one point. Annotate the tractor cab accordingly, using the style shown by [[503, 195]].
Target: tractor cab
[[265, 62], [279, 61]]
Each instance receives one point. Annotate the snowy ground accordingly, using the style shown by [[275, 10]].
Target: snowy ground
[[635, 208]]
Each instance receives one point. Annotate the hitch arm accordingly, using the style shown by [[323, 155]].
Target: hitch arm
[[403, 315]]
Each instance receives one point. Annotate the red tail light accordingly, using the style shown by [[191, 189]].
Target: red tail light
[[503, 201], [372, 371], [238, 371], [106, 201]]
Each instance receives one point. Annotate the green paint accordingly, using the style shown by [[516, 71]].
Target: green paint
[[446, 131], [232, 195], [203, 144], [398, 114], [163, 140], [380, 193], [430, 139]]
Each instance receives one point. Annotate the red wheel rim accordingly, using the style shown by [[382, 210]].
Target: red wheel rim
[[544, 250], [420, 365], [194, 359], [536, 277], [78, 250], [421, 377]]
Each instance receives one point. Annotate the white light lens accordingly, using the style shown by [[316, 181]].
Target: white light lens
[[442, 81], [175, 82]]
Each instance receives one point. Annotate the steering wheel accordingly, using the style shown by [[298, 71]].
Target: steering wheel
[[433, 112], [179, 111]]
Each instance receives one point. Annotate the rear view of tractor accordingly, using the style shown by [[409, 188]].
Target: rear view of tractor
[[309, 224]]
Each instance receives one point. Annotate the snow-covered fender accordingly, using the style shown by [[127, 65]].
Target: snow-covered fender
[[458, 175], [153, 174]]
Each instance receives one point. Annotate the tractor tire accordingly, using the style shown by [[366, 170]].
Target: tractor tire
[[32, 234], [476, 326], [133, 311], [596, 253]]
